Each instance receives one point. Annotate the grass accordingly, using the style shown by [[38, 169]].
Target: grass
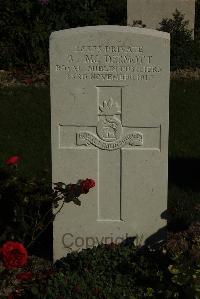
[[184, 152], [25, 131], [25, 127], [184, 138]]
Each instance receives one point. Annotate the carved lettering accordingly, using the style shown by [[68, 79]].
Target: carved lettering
[[70, 59], [91, 58], [109, 63], [87, 138], [127, 59], [109, 49], [109, 77]]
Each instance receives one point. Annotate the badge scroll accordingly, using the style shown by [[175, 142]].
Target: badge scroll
[[109, 131]]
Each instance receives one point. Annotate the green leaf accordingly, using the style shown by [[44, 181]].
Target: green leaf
[[173, 270], [77, 201]]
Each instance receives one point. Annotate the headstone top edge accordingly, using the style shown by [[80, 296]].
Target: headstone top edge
[[110, 28]]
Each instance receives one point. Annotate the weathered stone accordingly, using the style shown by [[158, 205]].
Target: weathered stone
[[109, 106]]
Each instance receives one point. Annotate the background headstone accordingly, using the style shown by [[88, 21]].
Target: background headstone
[[151, 12], [109, 106]]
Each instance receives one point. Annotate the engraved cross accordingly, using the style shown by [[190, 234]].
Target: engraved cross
[[110, 139]]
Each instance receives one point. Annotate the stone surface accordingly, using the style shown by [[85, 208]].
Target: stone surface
[[109, 106], [151, 12]]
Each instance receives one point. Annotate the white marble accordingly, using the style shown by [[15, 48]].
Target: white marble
[[109, 116]]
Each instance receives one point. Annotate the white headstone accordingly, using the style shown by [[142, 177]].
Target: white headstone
[[109, 105], [151, 12]]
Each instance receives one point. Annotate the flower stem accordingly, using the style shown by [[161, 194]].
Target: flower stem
[[46, 226]]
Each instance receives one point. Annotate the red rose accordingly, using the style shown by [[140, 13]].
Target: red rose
[[12, 160], [11, 296], [14, 255], [86, 185]]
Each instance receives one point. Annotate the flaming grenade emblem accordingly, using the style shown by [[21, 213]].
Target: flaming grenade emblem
[[109, 127]]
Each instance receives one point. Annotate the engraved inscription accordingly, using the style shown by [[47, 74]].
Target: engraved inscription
[[109, 63], [110, 49], [133, 139]]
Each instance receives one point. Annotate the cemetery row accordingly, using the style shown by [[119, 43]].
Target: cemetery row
[[25, 28]]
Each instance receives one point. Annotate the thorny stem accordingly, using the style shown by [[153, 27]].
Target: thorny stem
[[42, 221], [41, 232]]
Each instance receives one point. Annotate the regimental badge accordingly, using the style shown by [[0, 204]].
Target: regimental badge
[[109, 130]]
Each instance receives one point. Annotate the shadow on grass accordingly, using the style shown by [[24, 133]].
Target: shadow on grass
[[185, 173], [183, 193], [183, 199]]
